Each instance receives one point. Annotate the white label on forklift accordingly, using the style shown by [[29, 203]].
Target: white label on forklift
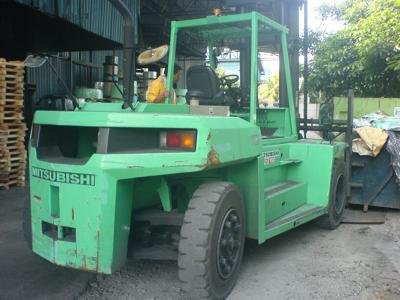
[[271, 157]]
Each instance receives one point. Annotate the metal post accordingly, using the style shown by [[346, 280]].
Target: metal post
[[283, 97], [349, 140], [171, 61], [305, 75], [91, 69], [289, 86], [254, 64], [245, 66], [129, 51], [71, 71], [64, 85], [211, 54]]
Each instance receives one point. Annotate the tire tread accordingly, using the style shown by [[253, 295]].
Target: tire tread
[[326, 221], [192, 269]]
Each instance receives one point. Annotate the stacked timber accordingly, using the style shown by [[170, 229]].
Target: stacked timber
[[12, 126]]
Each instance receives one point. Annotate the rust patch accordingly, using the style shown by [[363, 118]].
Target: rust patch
[[97, 252], [213, 158], [209, 136], [182, 166], [37, 197], [73, 214], [84, 267]]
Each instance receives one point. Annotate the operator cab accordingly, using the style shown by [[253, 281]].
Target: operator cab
[[241, 74], [204, 84]]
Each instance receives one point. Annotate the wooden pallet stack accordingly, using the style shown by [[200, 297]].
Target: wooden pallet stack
[[12, 126]]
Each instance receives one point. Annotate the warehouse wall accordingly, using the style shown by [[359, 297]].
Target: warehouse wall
[[43, 81], [71, 68]]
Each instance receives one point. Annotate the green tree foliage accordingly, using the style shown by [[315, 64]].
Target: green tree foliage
[[221, 72], [364, 55]]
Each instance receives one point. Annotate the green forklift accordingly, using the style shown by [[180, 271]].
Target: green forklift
[[188, 180]]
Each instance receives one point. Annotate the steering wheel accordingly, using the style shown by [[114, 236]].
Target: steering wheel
[[228, 80]]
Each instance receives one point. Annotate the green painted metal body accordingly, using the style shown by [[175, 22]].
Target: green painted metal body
[[285, 181]]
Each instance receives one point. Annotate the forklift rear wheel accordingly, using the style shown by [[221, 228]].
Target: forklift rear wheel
[[212, 241], [337, 199]]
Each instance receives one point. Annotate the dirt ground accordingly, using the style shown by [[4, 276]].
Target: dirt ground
[[352, 262]]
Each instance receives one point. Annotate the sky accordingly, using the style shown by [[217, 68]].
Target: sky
[[314, 20], [315, 23]]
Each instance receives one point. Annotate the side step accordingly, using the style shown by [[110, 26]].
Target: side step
[[301, 215], [281, 187], [290, 162], [283, 198], [286, 162], [298, 213]]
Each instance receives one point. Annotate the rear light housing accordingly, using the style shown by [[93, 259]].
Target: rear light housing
[[178, 140]]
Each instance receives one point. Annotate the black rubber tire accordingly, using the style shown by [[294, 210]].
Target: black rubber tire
[[337, 199], [27, 219], [200, 233]]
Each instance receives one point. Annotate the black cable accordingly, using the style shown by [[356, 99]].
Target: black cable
[[61, 81]]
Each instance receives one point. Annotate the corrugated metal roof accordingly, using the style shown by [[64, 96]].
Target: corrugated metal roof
[[97, 16]]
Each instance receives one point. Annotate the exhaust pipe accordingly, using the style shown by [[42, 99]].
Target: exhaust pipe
[[129, 68]]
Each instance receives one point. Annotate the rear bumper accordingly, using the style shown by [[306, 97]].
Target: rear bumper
[[81, 214], [80, 219]]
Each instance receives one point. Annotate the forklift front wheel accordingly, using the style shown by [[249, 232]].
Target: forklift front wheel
[[212, 241], [337, 199]]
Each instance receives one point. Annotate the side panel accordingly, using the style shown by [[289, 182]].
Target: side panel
[[286, 186], [249, 178], [295, 185], [315, 169]]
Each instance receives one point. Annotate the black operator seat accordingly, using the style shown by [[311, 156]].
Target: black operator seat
[[203, 84]]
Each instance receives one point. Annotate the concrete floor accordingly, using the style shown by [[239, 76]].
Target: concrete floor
[[352, 262], [24, 275]]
